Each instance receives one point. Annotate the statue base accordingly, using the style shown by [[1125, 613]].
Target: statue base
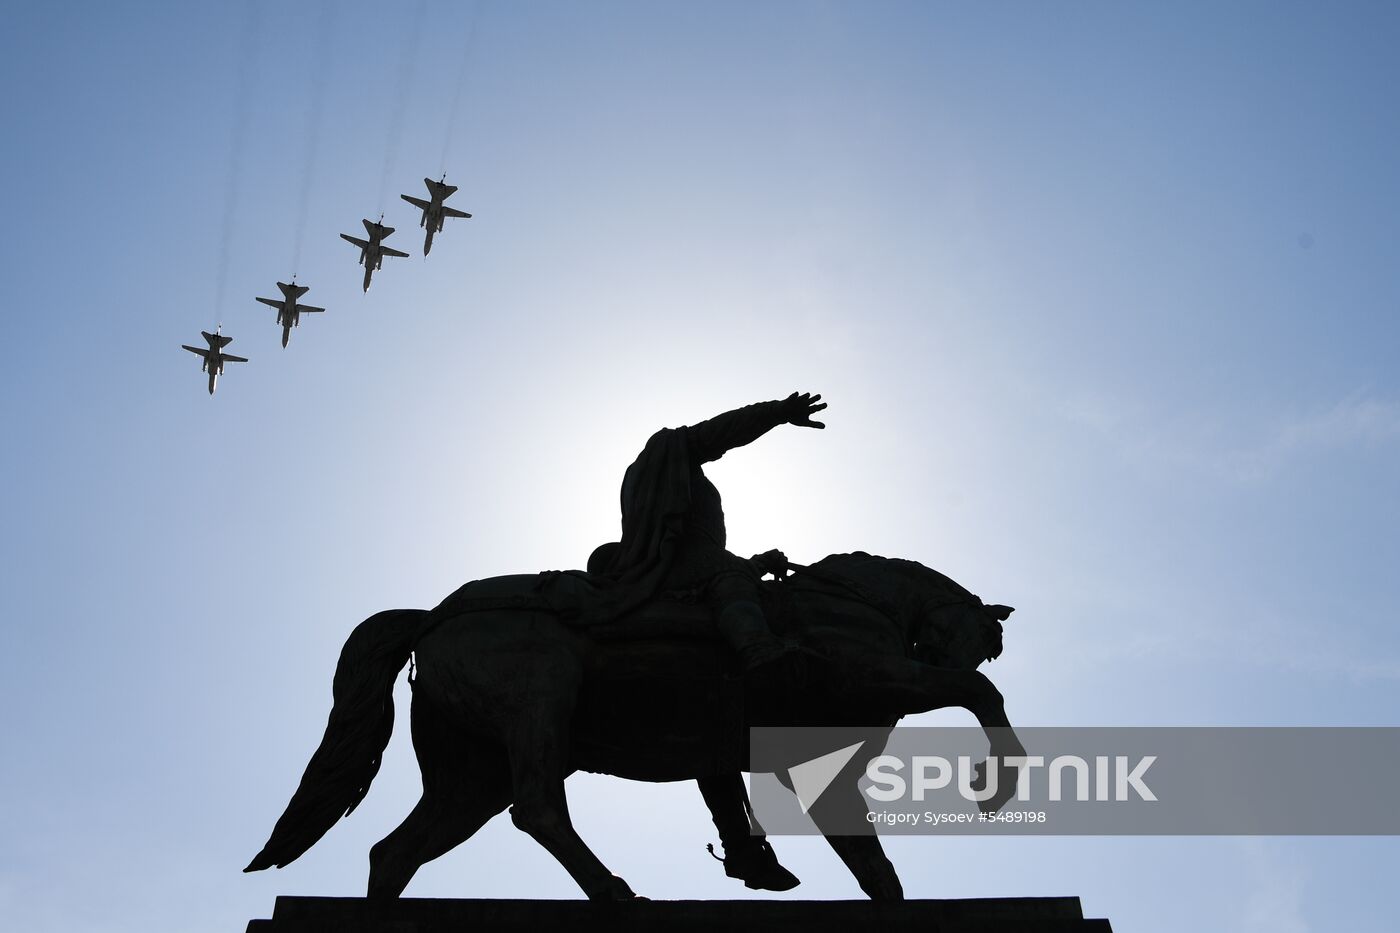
[[434, 915]]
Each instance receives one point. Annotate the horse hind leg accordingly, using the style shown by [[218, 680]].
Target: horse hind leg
[[542, 810], [464, 785], [438, 824], [537, 744]]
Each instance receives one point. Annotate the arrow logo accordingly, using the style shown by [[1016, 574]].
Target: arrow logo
[[811, 778]]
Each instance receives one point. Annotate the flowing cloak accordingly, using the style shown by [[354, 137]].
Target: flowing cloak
[[667, 503]]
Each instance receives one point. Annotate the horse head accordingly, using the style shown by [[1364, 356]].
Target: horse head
[[955, 629], [943, 623]]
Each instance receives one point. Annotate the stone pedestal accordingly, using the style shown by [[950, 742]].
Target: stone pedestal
[[429, 915]]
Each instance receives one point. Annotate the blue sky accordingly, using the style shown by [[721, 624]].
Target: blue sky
[[1102, 297]]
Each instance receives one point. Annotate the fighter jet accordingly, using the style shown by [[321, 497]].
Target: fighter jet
[[288, 311], [214, 357], [434, 212], [372, 252]]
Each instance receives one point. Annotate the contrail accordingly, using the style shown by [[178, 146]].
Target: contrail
[[247, 47], [408, 57], [461, 83], [313, 123]]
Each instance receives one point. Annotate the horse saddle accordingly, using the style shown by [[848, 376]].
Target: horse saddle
[[673, 615]]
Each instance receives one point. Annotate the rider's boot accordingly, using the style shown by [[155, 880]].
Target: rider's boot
[[754, 863], [747, 854]]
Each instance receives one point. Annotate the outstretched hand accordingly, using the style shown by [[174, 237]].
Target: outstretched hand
[[798, 409], [774, 562]]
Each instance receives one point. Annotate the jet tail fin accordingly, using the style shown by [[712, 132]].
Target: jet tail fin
[[293, 291], [216, 340]]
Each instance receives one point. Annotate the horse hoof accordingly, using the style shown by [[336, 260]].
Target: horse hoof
[[615, 890]]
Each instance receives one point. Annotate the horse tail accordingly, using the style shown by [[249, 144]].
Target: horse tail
[[361, 721]]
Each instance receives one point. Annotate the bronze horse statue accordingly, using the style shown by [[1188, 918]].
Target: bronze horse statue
[[509, 699]]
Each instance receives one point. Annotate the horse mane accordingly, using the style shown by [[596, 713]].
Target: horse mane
[[861, 566], [932, 604]]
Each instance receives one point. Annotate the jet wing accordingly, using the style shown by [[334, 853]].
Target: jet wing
[[453, 212], [416, 202], [358, 242], [387, 251], [201, 351], [235, 359], [270, 303], [307, 309]]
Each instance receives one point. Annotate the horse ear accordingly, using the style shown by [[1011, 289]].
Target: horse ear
[[1000, 613]]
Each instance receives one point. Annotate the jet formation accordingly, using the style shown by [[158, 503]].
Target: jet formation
[[434, 211], [214, 357], [288, 311], [373, 251]]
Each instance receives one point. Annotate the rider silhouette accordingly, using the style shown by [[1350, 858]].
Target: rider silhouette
[[673, 533], [673, 538]]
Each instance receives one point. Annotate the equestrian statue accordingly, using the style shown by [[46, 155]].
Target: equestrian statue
[[652, 664]]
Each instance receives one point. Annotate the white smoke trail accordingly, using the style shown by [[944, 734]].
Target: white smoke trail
[[247, 48], [408, 58], [325, 32], [462, 71]]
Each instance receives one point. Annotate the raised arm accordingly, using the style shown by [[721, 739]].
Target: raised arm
[[710, 440]]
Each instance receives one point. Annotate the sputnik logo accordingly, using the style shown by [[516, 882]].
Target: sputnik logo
[[811, 778]]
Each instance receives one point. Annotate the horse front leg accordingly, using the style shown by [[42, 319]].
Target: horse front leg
[[908, 687], [990, 710], [841, 806]]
